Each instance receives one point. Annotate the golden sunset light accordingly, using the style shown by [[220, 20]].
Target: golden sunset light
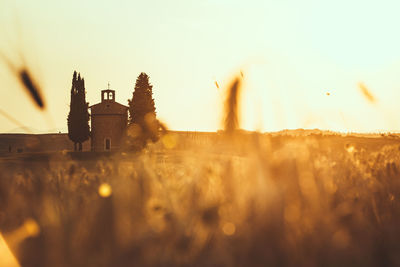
[[199, 133], [290, 51]]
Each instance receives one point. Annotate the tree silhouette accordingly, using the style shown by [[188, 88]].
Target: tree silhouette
[[142, 110], [78, 117]]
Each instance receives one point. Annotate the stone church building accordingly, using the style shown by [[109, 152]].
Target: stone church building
[[109, 122]]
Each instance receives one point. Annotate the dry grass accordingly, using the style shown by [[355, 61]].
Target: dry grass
[[366, 93], [231, 117], [253, 201], [27, 81]]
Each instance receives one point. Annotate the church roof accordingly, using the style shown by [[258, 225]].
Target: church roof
[[108, 104], [108, 107]]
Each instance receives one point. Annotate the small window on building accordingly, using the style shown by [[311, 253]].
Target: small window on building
[[107, 144]]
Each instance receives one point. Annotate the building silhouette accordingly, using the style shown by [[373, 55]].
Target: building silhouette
[[109, 121]]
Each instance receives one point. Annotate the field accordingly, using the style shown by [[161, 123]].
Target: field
[[207, 200]]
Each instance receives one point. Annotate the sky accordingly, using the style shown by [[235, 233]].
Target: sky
[[301, 61]]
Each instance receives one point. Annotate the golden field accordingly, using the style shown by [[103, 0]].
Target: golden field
[[196, 199]]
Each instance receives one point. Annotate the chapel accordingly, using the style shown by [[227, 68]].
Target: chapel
[[109, 121]]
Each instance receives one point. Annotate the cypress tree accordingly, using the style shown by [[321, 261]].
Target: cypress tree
[[78, 117], [142, 110]]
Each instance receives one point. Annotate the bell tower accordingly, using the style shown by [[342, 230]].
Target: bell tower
[[108, 95]]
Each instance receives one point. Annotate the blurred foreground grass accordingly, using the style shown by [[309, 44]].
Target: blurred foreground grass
[[241, 200]]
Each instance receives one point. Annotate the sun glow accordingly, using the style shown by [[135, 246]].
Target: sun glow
[[301, 65]]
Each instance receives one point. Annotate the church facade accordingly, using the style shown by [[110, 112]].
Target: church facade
[[108, 123]]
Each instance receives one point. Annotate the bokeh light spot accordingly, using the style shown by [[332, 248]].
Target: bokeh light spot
[[31, 227], [229, 228], [169, 141], [105, 190]]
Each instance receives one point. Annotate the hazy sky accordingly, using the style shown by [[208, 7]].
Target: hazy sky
[[291, 53]]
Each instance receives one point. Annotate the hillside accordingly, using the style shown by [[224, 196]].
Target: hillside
[[19, 143]]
